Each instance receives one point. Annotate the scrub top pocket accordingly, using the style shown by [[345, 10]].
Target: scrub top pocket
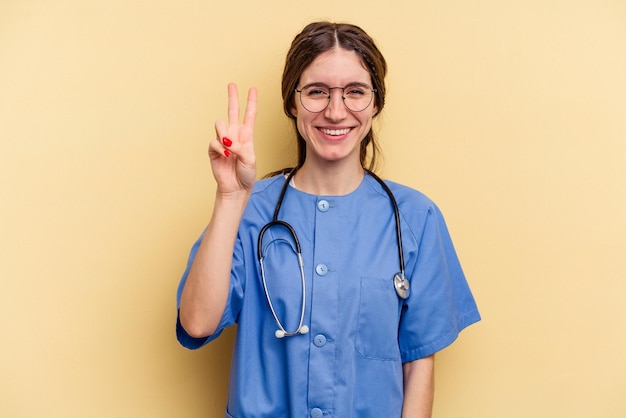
[[377, 329]]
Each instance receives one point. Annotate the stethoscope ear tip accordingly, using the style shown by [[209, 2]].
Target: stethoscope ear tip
[[279, 333]]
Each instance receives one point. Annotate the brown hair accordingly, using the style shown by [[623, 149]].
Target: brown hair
[[317, 38]]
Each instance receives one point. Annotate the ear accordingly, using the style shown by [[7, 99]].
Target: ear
[[294, 112]]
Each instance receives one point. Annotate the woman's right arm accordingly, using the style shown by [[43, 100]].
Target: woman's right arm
[[233, 165]]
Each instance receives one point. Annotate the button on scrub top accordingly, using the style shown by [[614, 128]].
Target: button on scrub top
[[350, 363]]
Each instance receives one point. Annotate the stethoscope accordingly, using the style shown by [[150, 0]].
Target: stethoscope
[[400, 282]]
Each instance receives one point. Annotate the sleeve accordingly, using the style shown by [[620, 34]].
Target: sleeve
[[233, 303], [441, 304]]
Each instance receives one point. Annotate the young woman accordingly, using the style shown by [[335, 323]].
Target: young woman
[[343, 286]]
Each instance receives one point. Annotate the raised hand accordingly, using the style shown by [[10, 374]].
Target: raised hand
[[233, 161]]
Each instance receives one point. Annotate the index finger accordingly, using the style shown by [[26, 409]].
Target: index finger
[[250, 115], [233, 103]]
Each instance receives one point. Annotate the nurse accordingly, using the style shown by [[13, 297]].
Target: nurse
[[322, 329]]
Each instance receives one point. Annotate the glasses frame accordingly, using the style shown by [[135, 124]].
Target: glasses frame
[[343, 97]]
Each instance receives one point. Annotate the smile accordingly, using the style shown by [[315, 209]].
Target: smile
[[335, 132]]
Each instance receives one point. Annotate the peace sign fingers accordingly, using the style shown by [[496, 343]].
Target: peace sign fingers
[[232, 153]]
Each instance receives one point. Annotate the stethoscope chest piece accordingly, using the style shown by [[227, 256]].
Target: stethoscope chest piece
[[402, 285]]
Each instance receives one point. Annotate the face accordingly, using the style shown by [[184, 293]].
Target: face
[[334, 134]]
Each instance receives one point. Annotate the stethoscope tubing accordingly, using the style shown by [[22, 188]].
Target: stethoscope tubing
[[401, 284], [396, 213], [282, 332]]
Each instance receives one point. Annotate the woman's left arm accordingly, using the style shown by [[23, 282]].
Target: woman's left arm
[[419, 388]]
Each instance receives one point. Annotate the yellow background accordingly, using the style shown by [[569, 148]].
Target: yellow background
[[511, 115]]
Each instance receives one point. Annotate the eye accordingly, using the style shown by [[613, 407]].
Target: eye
[[316, 92], [355, 91]]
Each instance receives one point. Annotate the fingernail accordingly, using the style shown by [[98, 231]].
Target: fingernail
[[227, 153], [227, 142]]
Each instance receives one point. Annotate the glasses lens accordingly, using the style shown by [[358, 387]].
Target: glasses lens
[[316, 98], [357, 97]]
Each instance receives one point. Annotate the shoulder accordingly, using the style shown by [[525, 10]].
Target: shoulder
[[407, 198], [264, 196], [268, 187], [417, 211]]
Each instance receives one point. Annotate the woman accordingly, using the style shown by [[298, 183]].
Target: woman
[[345, 335]]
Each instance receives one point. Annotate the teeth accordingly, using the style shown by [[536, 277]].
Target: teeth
[[335, 132]]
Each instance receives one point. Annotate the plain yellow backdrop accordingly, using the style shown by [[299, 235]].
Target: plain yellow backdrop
[[510, 114]]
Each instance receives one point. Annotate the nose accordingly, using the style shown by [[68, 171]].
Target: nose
[[336, 109]]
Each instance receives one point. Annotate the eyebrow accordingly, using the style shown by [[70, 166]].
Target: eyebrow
[[352, 83]]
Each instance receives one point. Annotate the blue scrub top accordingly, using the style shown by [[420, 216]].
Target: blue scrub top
[[350, 362]]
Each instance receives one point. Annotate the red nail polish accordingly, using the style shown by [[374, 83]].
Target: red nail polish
[[227, 142], [227, 153]]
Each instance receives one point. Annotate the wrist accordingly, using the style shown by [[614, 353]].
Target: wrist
[[233, 195], [232, 200]]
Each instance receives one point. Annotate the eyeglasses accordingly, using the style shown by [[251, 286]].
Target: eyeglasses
[[316, 97]]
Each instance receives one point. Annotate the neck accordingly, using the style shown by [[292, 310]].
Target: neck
[[331, 180]]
